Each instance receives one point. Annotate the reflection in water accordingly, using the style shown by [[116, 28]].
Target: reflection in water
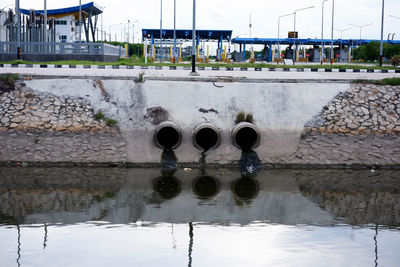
[[376, 245], [45, 236], [205, 186], [71, 195], [167, 187], [245, 188], [190, 243], [19, 245]]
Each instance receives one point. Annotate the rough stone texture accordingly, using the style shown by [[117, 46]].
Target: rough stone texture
[[364, 109], [346, 149], [62, 147], [27, 110]]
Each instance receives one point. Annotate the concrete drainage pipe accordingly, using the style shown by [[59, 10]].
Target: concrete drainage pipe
[[168, 135], [245, 136], [206, 137]]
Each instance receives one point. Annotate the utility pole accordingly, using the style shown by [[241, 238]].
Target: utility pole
[[333, 16], [321, 55], [18, 13], [45, 24], [381, 47], [80, 21], [174, 31], [194, 73], [160, 31]]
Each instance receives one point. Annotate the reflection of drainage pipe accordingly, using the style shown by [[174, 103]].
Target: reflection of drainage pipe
[[245, 136], [206, 137], [245, 188], [206, 186], [167, 187], [167, 135]]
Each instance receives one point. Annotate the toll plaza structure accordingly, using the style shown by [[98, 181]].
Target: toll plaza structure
[[304, 49], [55, 35], [182, 36]]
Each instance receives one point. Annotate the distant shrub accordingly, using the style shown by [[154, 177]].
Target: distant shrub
[[395, 60]]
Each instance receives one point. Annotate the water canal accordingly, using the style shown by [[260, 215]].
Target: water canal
[[198, 217]]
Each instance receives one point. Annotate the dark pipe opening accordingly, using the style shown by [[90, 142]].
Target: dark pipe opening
[[168, 137], [245, 188], [246, 138], [167, 187], [205, 186], [206, 138]]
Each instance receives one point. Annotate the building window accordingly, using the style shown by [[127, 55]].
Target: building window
[[63, 37]]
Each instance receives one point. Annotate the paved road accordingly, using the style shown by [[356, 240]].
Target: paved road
[[204, 74]]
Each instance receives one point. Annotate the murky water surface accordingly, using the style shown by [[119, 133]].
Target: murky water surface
[[148, 217]]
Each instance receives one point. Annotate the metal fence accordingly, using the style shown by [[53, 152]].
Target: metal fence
[[61, 48]]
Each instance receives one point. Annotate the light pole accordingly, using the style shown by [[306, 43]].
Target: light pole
[[174, 31], [333, 18], [321, 55], [360, 26], [109, 29], [341, 31], [128, 31], [133, 31], [279, 24], [381, 46], [18, 13], [45, 24], [160, 31], [294, 32], [194, 73], [80, 21]]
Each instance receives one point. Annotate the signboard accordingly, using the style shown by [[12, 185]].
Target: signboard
[[293, 35]]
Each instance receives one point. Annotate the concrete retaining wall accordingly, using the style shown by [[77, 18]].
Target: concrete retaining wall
[[288, 116]]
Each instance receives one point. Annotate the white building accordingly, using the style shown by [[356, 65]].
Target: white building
[[3, 29]]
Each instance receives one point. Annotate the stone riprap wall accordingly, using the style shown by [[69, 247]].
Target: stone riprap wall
[[301, 123], [359, 126], [42, 127], [28, 110], [364, 109]]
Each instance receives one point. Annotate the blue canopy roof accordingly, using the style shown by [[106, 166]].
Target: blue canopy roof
[[290, 41], [187, 34], [89, 7]]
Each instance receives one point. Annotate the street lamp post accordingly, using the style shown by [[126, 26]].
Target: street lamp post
[[360, 26], [160, 31], [174, 31], [381, 46], [109, 29], [294, 39], [80, 21], [321, 55], [45, 24], [194, 73], [18, 13], [279, 23], [341, 31], [333, 18]]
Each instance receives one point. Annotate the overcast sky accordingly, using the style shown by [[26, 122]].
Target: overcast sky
[[234, 15]]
